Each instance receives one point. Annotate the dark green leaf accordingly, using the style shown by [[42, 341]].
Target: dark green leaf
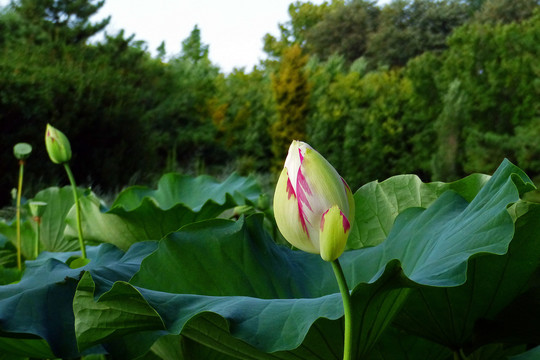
[[40, 305], [532, 354], [379, 203], [140, 213], [227, 285]]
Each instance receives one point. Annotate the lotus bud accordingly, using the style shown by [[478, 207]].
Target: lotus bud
[[313, 205], [22, 151], [57, 145]]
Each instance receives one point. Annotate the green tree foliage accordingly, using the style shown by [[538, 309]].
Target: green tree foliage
[[193, 49], [181, 122], [95, 94], [377, 144], [409, 28], [333, 103], [94, 97], [304, 15], [356, 120], [437, 88], [246, 111], [423, 108], [291, 91], [343, 30], [63, 21], [505, 11], [497, 66], [449, 126]]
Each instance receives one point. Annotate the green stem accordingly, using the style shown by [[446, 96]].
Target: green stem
[[36, 240], [77, 209], [346, 296], [19, 192]]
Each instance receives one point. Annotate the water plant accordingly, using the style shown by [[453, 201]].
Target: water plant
[[21, 151], [59, 150]]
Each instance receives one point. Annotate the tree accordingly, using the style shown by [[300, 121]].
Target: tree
[[243, 119], [407, 29], [344, 30], [181, 123], [291, 93], [423, 108], [376, 143], [304, 15], [448, 158], [65, 21], [496, 65], [97, 95], [333, 103], [192, 47], [505, 11]]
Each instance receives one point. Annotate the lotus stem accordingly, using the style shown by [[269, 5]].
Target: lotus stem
[[346, 296], [19, 192], [77, 209], [36, 240]]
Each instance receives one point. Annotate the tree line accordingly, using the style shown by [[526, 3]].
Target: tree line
[[438, 88]]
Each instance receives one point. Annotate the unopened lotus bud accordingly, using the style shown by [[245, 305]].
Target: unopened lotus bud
[[57, 145], [313, 205], [333, 233]]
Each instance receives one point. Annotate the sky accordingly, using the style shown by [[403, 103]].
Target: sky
[[233, 29]]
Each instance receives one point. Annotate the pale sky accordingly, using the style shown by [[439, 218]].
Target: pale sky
[[233, 29]]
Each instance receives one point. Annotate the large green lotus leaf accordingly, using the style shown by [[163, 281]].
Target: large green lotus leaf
[[39, 306], [379, 203], [179, 347], [516, 323], [140, 213], [9, 231], [266, 278], [260, 296], [200, 194], [495, 352], [454, 316], [400, 345], [532, 354], [16, 348], [53, 222], [9, 275]]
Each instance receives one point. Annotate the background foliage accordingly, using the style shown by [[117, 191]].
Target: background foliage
[[433, 88], [436, 88]]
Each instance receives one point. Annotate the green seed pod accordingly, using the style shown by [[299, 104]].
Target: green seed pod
[[22, 150], [37, 208]]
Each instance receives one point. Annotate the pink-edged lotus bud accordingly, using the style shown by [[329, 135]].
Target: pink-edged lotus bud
[[313, 205], [57, 145]]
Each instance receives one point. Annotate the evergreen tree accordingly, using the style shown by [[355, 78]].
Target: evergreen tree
[[65, 21], [291, 92], [192, 48]]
